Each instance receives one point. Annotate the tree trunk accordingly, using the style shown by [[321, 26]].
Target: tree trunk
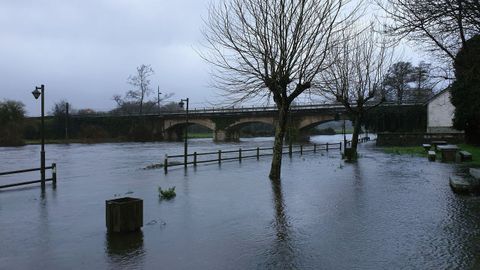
[[356, 132], [280, 130]]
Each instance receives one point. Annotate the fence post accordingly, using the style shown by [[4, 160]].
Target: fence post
[[290, 149], [258, 153], [327, 146], [314, 148], [340, 146], [240, 155], [54, 174], [219, 157], [301, 149], [195, 159], [165, 164]]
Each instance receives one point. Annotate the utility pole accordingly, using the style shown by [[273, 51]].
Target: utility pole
[[67, 106], [158, 98]]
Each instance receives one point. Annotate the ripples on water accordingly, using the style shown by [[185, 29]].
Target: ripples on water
[[385, 212]]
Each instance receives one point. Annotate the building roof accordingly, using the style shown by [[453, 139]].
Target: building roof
[[437, 95]]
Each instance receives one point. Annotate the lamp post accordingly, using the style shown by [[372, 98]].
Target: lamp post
[[182, 104], [344, 137], [40, 91]]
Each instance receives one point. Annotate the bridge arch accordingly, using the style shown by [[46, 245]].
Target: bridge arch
[[174, 130], [246, 121], [175, 124], [309, 122]]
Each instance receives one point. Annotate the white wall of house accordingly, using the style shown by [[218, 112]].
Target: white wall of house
[[440, 114]]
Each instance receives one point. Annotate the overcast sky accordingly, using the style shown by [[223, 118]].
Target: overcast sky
[[84, 50]]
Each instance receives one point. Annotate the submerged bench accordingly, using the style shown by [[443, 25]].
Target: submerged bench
[[432, 155], [475, 173], [465, 156]]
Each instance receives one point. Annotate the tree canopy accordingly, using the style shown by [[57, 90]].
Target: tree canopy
[[466, 90]]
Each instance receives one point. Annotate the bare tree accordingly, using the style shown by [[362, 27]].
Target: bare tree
[[440, 26], [272, 49], [398, 79], [355, 79], [141, 84]]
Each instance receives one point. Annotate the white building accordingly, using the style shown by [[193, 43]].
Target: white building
[[440, 112]]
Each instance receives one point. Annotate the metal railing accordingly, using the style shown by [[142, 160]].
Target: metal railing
[[233, 109], [53, 179], [241, 154]]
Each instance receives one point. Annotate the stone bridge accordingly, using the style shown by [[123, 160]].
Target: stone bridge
[[226, 123]]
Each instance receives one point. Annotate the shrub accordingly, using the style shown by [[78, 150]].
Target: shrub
[[167, 194]]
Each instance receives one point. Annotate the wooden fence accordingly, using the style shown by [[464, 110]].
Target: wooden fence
[[240, 154], [53, 179]]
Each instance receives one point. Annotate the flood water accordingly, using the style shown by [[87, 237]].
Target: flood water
[[383, 212]]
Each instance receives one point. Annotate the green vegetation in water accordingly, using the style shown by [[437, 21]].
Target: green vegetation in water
[[167, 194], [411, 150], [160, 165]]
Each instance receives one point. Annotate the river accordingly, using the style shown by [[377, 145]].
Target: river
[[383, 212]]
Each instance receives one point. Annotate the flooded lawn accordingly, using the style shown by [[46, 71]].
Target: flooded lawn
[[384, 212]]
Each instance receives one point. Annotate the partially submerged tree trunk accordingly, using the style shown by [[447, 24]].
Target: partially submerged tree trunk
[[357, 126], [280, 130]]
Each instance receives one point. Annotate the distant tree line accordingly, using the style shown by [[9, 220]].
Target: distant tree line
[[12, 116]]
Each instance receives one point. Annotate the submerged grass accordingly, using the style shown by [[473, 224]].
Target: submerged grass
[[411, 150], [420, 151]]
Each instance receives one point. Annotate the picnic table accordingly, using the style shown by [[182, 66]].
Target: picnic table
[[437, 143], [449, 152]]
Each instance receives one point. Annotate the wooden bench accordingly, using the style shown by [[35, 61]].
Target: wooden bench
[[427, 146], [432, 156], [465, 156]]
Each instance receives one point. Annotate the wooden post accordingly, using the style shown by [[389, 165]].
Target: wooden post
[[327, 146], [124, 215], [301, 149], [314, 148], [240, 155], [195, 159], [258, 153], [165, 164], [290, 149], [54, 174], [219, 157], [340, 146]]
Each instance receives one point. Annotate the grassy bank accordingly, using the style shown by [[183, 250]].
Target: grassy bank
[[199, 135], [419, 151], [63, 141]]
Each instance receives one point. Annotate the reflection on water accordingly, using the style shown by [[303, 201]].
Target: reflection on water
[[125, 250], [282, 253], [383, 212]]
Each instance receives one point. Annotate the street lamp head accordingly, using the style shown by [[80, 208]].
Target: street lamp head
[[181, 104], [36, 93]]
